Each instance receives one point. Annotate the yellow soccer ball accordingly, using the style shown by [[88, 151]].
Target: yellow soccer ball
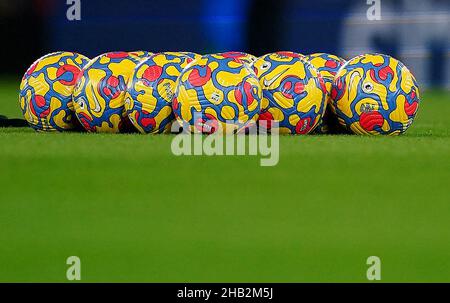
[[375, 94], [46, 91]]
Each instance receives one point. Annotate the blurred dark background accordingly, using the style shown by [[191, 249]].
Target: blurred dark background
[[416, 32]]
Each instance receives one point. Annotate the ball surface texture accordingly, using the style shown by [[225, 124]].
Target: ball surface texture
[[327, 65], [244, 57], [140, 54], [148, 100], [217, 94], [294, 93]]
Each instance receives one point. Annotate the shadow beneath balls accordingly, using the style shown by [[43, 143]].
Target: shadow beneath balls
[[331, 126], [126, 127], [5, 122]]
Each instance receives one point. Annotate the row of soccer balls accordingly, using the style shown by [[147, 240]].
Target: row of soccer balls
[[124, 91]]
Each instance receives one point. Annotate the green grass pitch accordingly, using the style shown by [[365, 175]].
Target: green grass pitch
[[133, 212]]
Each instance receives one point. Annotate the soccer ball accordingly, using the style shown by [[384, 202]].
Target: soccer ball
[[99, 95], [46, 91], [148, 101], [327, 65], [217, 94], [294, 93], [244, 57], [375, 94]]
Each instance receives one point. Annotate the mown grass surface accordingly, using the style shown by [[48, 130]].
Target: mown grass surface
[[132, 211]]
